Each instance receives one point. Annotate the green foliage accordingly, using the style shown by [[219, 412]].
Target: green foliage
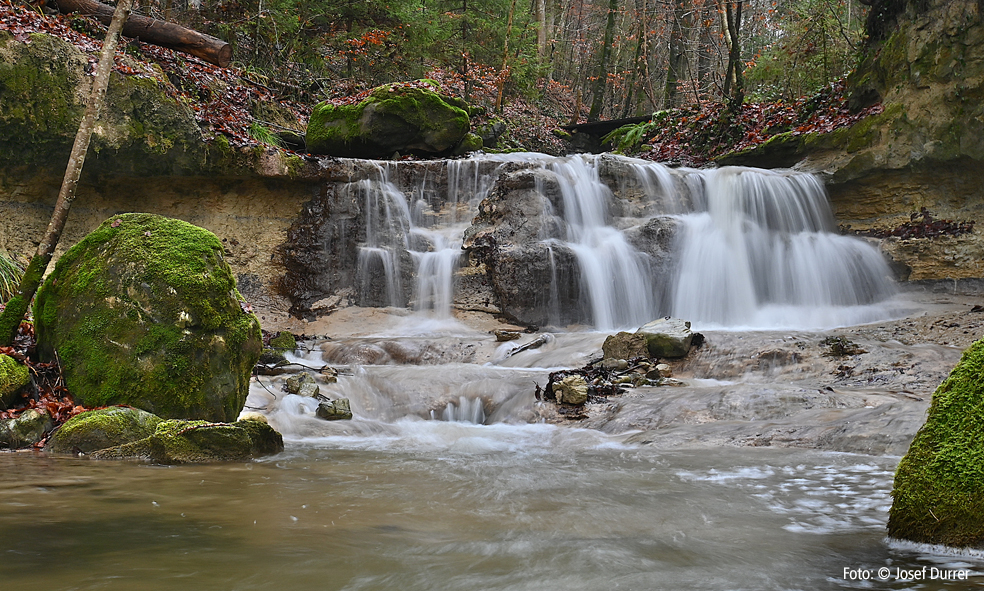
[[818, 41], [262, 134], [629, 138], [10, 276]]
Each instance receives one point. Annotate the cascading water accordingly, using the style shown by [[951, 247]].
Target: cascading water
[[759, 249], [752, 248]]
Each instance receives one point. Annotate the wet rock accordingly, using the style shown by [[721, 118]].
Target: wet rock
[[841, 347], [661, 370], [626, 345], [329, 374], [103, 428], [184, 442], [335, 410], [938, 496], [302, 384], [26, 430], [613, 363], [667, 337], [571, 390], [506, 335], [14, 377], [144, 311]]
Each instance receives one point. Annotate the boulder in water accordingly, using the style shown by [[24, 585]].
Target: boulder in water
[[302, 384], [938, 496], [626, 345], [144, 311], [405, 118], [26, 430], [667, 338], [14, 377], [335, 410], [571, 390], [103, 428]]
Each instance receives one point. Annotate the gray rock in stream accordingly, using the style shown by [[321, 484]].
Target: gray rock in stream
[[335, 410], [667, 337], [302, 384]]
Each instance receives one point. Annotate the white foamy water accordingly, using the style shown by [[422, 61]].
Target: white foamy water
[[752, 248]]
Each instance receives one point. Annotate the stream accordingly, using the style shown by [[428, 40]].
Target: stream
[[769, 468]]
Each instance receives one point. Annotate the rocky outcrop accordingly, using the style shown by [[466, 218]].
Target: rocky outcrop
[[144, 311], [938, 496], [393, 118], [925, 64]]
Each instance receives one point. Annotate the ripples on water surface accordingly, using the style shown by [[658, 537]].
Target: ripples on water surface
[[437, 505]]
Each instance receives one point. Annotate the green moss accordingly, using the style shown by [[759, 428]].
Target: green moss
[[393, 118], [284, 341], [144, 311], [938, 496], [99, 429], [13, 377]]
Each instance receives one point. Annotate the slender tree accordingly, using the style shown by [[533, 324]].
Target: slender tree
[[12, 316], [601, 82]]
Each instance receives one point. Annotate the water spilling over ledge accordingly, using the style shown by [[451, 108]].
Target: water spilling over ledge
[[599, 241]]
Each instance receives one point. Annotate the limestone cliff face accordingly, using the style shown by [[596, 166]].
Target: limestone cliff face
[[926, 65]]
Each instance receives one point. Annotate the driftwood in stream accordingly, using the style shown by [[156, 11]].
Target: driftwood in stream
[[155, 32]]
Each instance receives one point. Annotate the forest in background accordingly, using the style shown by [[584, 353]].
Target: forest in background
[[575, 59]]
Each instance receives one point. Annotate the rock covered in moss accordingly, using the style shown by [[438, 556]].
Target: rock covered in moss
[[14, 377], [99, 429], [938, 496], [393, 118], [26, 430], [129, 433], [625, 345], [284, 341], [144, 311]]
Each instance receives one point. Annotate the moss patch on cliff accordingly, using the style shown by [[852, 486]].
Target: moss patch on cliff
[[938, 496], [13, 377], [144, 311]]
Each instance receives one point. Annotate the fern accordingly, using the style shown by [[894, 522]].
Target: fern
[[628, 138]]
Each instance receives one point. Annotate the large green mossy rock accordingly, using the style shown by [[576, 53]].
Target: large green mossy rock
[[13, 377], [196, 442], [128, 433], [939, 485], [99, 429], [144, 311], [393, 118]]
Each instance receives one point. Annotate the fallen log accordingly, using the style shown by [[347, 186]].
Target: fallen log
[[155, 32]]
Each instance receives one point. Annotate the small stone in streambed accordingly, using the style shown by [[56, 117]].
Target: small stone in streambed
[[335, 410]]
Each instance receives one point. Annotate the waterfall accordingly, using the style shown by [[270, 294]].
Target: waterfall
[[615, 280], [760, 249], [750, 247]]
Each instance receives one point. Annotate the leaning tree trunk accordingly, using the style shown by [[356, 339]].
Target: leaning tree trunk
[[149, 30], [12, 316]]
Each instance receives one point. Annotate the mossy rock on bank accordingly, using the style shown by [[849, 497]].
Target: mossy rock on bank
[[128, 433], [144, 311], [938, 496], [393, 118], [26, 430], [14, 377]]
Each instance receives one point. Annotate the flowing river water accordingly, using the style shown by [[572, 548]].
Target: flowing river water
[[452, 476]]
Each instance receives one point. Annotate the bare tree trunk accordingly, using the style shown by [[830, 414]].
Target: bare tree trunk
[[601, 83], [504, 73], [541, 28], [12, 316], [677, 60], [734, 84]]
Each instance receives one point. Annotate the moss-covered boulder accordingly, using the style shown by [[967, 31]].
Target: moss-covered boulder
[[194, 442], [393, 118], [939, 485], [99, 429], [14, 377], [144, 311]]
